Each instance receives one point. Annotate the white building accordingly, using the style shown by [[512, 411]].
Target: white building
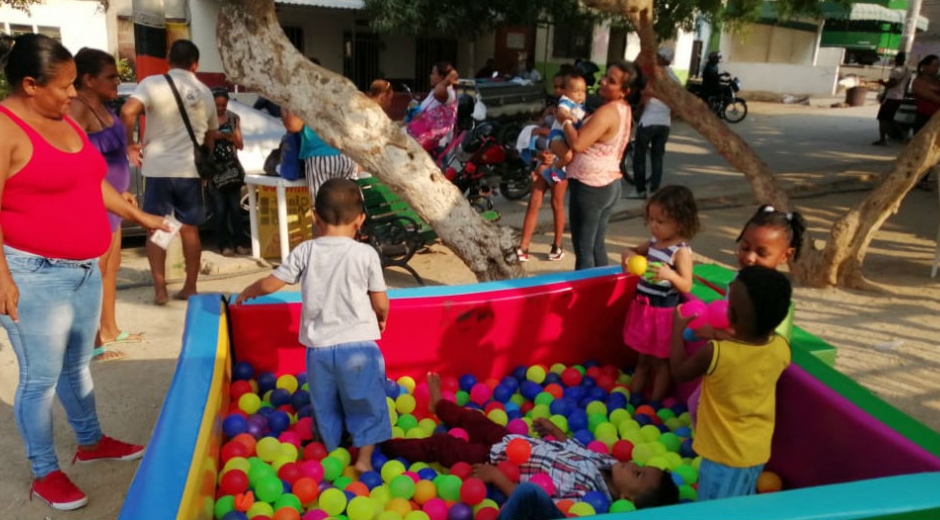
[[76, 23]]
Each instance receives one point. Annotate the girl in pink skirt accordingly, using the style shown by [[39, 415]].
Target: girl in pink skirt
[[672, 218]]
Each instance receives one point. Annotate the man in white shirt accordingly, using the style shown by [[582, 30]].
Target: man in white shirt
[[652, 133], [166, 158], [898, 80]]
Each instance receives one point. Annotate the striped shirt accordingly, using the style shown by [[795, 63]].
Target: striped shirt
[[574, 469], [661, 293]]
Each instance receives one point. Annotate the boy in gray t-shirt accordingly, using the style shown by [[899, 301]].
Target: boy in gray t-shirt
[[345, 309]]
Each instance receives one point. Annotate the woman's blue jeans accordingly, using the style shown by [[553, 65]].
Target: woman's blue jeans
[[589, 210], [529, 502], [59, 308]]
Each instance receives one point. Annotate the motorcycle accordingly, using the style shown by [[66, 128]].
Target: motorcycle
[[726, 104]]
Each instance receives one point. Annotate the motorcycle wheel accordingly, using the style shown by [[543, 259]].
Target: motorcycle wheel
[[516, 184], [481, 204], [626, 165], [735, 112]]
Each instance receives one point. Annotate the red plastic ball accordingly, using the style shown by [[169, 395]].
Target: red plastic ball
[[233, 449], [555, 390], [234, 481], [306, 490], [593, 372], [289, 473], [518, 451], [462, 470], [543, 481], [622, 450], [606, 382], [571, 377], [487, 513], [473, 491], [315, 451], [494, 405], [238, 389], [450, 384]]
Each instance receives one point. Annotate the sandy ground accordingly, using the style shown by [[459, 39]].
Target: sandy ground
[[885, 340]]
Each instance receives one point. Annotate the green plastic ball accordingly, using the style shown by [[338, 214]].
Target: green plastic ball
[[622, 506], [402, 487], [269, 489], [332, 468], [224, 505]]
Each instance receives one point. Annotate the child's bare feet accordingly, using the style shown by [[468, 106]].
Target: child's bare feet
[[364, 459], [434, 389]]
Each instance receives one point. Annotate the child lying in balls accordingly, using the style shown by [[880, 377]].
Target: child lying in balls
[[572, 469]]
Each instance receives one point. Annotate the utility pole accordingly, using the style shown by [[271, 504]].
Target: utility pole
[[910, 25]]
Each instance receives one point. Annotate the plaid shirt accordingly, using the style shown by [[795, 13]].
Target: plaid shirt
[[574, 469]]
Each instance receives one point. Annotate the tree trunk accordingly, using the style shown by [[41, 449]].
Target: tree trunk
[[840, 262], [256, 53]]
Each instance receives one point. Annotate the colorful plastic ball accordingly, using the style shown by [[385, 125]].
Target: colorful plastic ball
[[342, 454], [769, 482], [543, 481], [233, 450], [249, 403], [448, 487], [306, 490], [467, 381], [718, 314], [499, 417], [399, 505], [518, 451], [694, 309], [583, 436], [487, 513], [473, 491], [238, 389], [288, 500], [392, 469], [435, 508], [622, 450], [242, 371], [234, 482], [371, 479], [260, 509], [530, 389], [268, 449], [518, 427], [279, 397], [427, 474], [511, 383], [461, 470], [236, 463], [405, 404], [278, 421], [424, 490], [536, 374], [316, 514], [266, 382], [480, 393], [578, 420], [408, 382], [502, 393], [360, 508], [333, 501], [687, 493], [402, 486], [598, 447], [285, 513], [224, 505], [580, 509], [332, 468], [460, 511], [571, 377], [234, 515], [622, 506], [269, 488], [597, 500], [417, 515], [459, 433]]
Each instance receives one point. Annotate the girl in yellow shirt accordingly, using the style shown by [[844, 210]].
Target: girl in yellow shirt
[[737, 410]]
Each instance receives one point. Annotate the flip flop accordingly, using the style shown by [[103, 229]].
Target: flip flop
[[125, 337], [106, 354]]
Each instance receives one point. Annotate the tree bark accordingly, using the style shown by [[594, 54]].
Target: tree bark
[[256, 53], [840, 262]]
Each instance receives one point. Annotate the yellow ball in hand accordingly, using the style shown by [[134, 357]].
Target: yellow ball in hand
[[637, 265]]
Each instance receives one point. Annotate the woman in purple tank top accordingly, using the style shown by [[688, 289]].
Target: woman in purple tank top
[[96, 85]]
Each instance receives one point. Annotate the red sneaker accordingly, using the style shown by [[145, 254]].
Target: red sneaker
[[58, 491], [109, 449]]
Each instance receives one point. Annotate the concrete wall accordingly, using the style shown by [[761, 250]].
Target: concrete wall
[[785, 78], [81, 24], [830, 57], [759, 43]]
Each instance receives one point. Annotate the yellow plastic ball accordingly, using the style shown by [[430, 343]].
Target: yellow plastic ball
[[637, 265], [407, 382], [536, 374], [405, 403], [287, 382]]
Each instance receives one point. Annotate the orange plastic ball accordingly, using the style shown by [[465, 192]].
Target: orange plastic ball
[[286, 513], [769, 482], [518, 451], [424, 490], [564, 505], [555, 389], [358, 488]]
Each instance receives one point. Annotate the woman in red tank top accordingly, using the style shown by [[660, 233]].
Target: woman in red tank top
[[53, 226]]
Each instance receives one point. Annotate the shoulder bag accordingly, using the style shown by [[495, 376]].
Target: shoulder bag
[[202, 156]]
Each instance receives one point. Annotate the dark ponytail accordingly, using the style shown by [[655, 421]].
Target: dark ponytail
[[31, 56], [792, 222], [91, 62]]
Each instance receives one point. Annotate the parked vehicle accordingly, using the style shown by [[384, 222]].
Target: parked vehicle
[[726, 105]]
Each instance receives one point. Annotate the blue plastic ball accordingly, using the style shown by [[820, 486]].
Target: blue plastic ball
[[371, 479], [513, 414], [588, 382], [235, 515], [677, 479], [597, 393], [685, 449], [679, 408], [642, 420], [636, 399], [266, 411], [391, 389], [243, 371], [427, 474], [530, 389], [402, 390], [616, 400], [560, 407], [286, 486], [511, 407], [689, 335], [266, 381], [590, 363], [552, 378], [502, 393], [510, 383], [577, 420], [349, 496], [378, 460], [280, 397], [440, 428], [575, 393], [597, 500], [662, 428], [301, 379], [684, 432], [233, 425], [300, 399], [305, 411], [467, 381], [584, 436], [494, 494], [279, 421], [519, 373]]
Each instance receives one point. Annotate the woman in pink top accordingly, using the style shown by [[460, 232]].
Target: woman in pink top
[[594, 173], [53, 228]]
